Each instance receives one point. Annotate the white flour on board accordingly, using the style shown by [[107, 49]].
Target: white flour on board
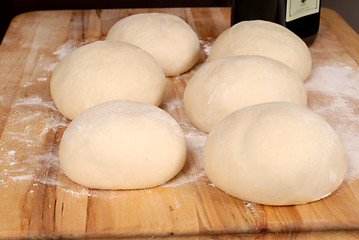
[[207, 45], [195, 138], [65, 49], [22, 137], [340, 83], [340, 86]]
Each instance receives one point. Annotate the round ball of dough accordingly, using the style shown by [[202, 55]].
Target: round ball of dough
[[103, 71], [275, 154], [225, 85], [166, 37], [258, 37], [122, 144]]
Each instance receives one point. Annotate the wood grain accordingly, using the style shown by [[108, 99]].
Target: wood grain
[[37, 199], [346, 35]]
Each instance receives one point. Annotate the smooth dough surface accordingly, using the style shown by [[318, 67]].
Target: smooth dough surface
[[275, 154], [258, 37], [166, 37], [225, 85], [103, 71], [122, 144]]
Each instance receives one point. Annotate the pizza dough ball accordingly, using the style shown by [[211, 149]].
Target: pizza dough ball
[[104, 71], [122, 144], [225, 85], [275, 154], [258, 37], [166, 37]]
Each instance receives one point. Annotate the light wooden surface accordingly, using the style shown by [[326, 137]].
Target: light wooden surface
[[36, 198]]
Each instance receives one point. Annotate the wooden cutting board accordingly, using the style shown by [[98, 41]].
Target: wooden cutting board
[[37, 199]]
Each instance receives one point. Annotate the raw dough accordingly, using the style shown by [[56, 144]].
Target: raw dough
[[276, 154], [166, 37], [122, 144], [224, 85], [104, 71], [264, 38]]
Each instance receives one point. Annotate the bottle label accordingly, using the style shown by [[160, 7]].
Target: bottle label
[[301, 8]]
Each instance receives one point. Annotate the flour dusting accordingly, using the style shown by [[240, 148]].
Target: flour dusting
[[195, 139], [65, 49], [207, 45], [338, 86], [193, 168], [31, 120]]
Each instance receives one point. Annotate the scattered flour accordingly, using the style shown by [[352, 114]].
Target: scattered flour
[[207, 45], [338, 87], [195, 138], [31, 119], [42, 79], [65, 49]]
